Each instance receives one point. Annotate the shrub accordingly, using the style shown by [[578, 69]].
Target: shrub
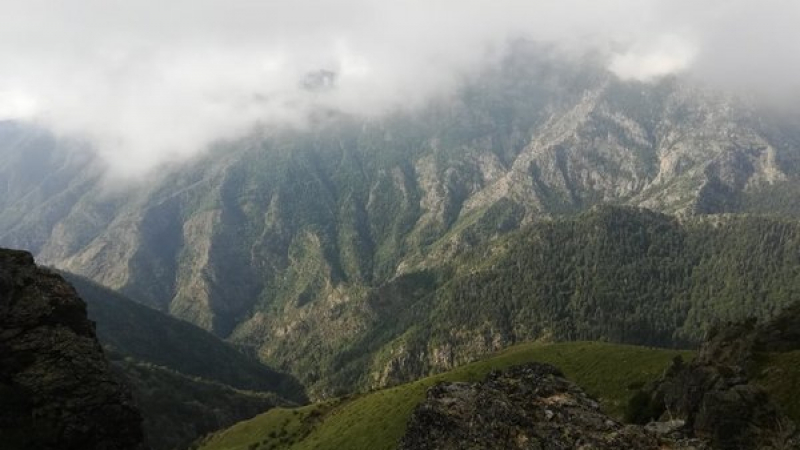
[[643, 408]]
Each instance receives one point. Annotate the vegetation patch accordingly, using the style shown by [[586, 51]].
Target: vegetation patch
[[779, 374]]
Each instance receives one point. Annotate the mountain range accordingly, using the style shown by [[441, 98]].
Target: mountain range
[[548, 199]]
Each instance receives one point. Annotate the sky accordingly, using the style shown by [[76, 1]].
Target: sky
[[149, 81]]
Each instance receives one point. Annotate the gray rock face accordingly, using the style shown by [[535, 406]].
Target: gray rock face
[[56, 389], [526, 407], [719, 405]]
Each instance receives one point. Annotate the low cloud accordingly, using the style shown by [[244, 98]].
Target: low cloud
[[645, 62], [147, 81]]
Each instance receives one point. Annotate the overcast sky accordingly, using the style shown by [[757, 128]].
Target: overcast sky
[[149, 80]]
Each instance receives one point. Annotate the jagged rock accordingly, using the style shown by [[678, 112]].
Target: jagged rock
[[713, 395], [666, 428], [526, 407], [720, 405], [56, 389]]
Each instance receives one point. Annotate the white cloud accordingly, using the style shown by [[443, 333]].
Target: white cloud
[[17, 105], [147, 80], [665, 56]]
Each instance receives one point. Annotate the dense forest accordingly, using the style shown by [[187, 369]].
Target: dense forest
[[612, 274]]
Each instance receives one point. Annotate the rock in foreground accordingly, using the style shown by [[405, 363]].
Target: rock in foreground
[[713, 394], [56, 389], [526, 407]]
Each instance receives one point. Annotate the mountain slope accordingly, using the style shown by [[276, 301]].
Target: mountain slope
[[291, 216], [290, 241], [185, 380], [614, 274], [177, 409], [131, 330]]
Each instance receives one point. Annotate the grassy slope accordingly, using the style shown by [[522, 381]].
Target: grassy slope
[[377, 420]]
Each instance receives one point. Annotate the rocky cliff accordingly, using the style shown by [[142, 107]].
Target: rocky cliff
[[56, 387], [714, 396]]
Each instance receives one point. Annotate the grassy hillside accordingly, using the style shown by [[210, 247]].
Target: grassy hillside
[[377, 420]]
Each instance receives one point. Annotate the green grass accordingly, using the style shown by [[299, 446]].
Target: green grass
[[779, 374], [377, 420]]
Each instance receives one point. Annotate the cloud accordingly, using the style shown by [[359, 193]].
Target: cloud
[[645, 62], [147, 81], [17, 105]]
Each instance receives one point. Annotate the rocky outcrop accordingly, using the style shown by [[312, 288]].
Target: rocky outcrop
[[526, 407], [716, 402], [56, 388], [713, 396]]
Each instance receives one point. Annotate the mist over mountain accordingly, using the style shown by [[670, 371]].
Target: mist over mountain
[[307, 245], [265, 204], [147, 84]]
